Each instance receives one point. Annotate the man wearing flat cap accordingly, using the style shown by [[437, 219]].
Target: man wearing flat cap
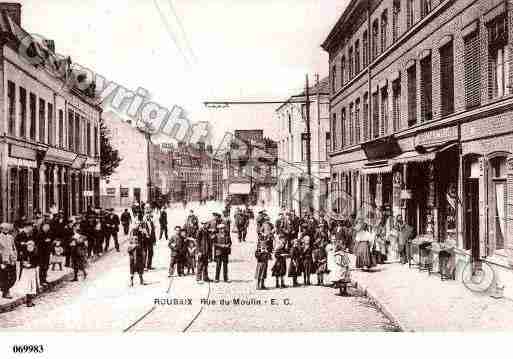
[[203, 247], [176, 244], [222, 247]]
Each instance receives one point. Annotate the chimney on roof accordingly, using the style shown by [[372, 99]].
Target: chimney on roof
[[12, 9]]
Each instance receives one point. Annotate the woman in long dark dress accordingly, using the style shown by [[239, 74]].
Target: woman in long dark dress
[[136, 255], [279, 269]]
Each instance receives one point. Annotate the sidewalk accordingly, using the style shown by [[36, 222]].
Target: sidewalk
[[418, 302], [54, 279]]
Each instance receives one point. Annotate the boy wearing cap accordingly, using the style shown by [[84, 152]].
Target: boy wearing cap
[[222, 247]]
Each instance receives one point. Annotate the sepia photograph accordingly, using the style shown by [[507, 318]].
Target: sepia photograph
[[254, 166]]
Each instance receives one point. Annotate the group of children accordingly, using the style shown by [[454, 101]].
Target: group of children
[[306, 255]]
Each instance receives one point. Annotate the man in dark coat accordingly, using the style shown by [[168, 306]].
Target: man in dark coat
[[44, 248], [112, 228], [151, 240], [176, 244], [163, 223], [203, 247], [222, 251], [191, 224], [126, 219]]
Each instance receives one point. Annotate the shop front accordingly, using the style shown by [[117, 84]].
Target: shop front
[[487, 193]]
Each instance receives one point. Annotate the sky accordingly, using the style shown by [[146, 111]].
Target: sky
[[185, 52]]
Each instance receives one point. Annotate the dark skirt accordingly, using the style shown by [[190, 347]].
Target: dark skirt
[[363, 255], [136, 263], [308, 266], [8, 276], [280, 267], [261, 270], [295, 268], [321, 267]]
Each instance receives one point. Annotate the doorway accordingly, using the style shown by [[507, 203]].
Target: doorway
[[471, 239]]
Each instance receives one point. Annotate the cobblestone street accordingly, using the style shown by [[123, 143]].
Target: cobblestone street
[[104, 302]]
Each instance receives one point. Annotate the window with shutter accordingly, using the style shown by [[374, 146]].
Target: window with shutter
[[396, 14], [472, 71], [384, 31], [351, 123], [23, 112], [447, 79], [365, 48], [396, 105], [328, 141], [61, 128], [425, 8], [426, 89], [343, 140], [42, 112], [498, 65], [51, 129], [412, 96], [410, 13], [334, 78], [357, 123], [11, 110], [334, 131], [350, 59], [32, 108], [71, 121], [375, 115], [375, 32], [357, 57], [383, 129], [342, 71], [366, 116]]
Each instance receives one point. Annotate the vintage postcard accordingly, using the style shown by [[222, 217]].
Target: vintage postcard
[[204, 166]]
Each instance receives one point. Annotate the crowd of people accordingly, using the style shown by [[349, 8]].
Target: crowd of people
[[290, 246], [304, 246], [52, 242]]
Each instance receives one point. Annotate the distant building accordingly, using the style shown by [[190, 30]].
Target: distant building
[[128, 183], [251, 172], [292, 146]]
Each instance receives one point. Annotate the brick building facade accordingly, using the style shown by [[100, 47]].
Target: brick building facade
[[50, 148], [421, 107]]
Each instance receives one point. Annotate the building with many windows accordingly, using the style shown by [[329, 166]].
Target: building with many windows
[[421, 121], [250, 174], [49, 150], [293, 181]]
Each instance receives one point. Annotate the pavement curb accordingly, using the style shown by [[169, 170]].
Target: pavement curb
[[369, 293], [8, 307]]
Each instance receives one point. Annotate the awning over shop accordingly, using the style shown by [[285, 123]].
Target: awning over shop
[[59, 156], [429, 154], [239, 188], [349, 166], [376, 168], [385, 147]]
